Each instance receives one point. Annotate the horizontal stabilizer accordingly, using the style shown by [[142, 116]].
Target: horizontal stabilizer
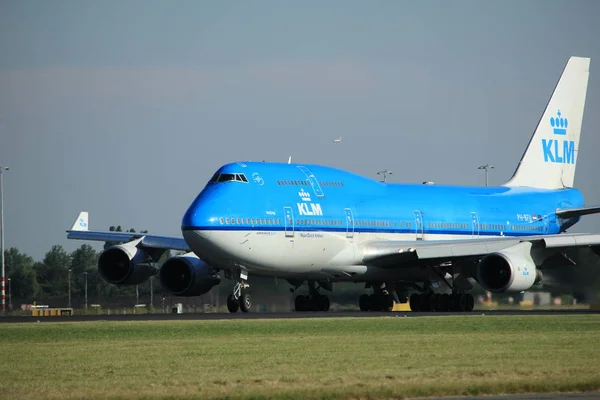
[[81, 222], [577, 212]]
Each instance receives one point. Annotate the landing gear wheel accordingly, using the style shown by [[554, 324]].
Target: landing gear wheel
[[245, 302], [445, 302], [434, 301], [300, 303], [425, 303], [232, 304], [460, 302], [470, 302], [374, 303], [415, 302], [363, 302], [323, 303], [387, 303]]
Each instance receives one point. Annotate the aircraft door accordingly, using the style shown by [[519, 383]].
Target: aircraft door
[[546, 223], [288, 221], [474, 224], [313, 181], [349, 223], [419, 225]]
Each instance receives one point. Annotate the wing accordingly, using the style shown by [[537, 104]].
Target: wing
[[408, 253], [79, 230]]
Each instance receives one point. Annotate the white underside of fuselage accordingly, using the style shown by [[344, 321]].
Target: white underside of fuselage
[[316, 255]]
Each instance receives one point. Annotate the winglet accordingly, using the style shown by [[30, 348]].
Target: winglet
[[81, 222]]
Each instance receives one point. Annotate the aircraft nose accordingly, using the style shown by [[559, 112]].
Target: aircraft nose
[[203, 212]]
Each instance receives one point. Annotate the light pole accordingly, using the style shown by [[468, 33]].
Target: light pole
[[69, 271], [9, 295], [3, 279], [385, 173], [486, 167], [86, 302]]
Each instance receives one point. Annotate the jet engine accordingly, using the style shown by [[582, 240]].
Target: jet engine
[[510, 270], [187, 275], [125, 264]]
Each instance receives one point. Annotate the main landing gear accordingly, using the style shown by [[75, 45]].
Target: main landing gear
[[240, 298], [314, 301], [457, 302], [375, 302], [382, 298]]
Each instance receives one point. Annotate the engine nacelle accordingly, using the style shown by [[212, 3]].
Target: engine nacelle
[[510, 270], [125, 264], [187, 275]]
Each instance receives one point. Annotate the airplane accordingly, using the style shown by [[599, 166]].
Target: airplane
[[425, 244], [338, 140]]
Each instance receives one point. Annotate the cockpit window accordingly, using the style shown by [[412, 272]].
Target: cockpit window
[[228, 178]]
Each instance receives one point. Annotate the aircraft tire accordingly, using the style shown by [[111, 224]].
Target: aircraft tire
[[363, 302], [323, 303], [415, 302], [387, 303], [460, 302], [434, 302], [445, 302], [301, 303], [232, 304], [425, 303], [470, 302], [245, 302]]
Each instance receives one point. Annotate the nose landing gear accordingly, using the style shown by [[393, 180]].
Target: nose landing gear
[[240, 298]]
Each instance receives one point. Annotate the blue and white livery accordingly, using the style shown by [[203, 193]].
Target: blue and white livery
[[316, 225]]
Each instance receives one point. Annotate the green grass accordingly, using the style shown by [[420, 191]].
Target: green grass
[[301, 358]]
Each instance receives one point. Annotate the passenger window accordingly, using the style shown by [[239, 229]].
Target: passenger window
[[227, 221], [221, 220]]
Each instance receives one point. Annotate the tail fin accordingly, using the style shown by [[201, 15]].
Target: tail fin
[[81, 222], [550, 159]]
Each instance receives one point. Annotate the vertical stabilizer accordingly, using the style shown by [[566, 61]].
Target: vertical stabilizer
[[551, 156]]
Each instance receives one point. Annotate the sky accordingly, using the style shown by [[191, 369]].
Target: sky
[[126, 109]]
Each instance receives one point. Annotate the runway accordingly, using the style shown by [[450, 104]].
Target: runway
[[288, 315]]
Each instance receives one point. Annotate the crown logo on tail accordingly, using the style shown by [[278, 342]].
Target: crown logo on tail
[[559, 124]]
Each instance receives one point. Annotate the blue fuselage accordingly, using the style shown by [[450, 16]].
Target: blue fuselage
[[309, 198]]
